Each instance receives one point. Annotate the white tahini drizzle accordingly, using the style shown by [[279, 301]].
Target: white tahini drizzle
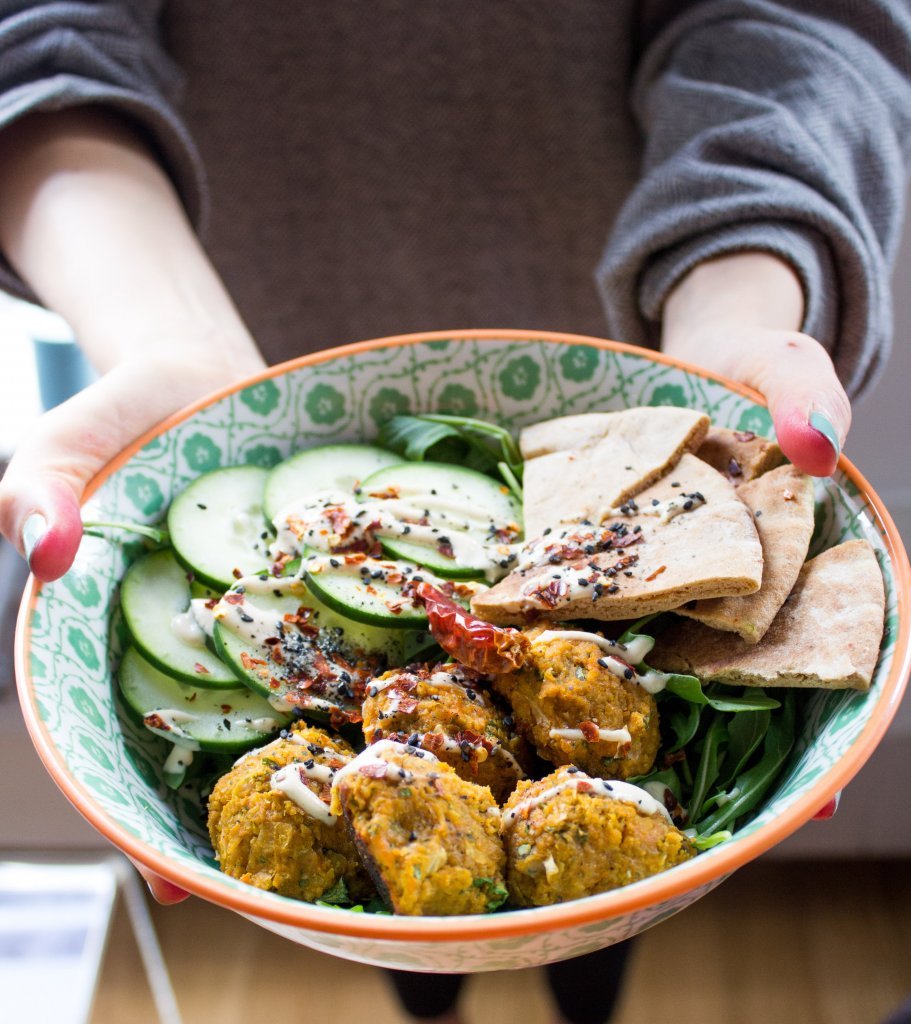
[[371, 758], [185, 627], [169, 722], [290, 781], [604, 735], [632, 654], [314, 523], [181, 757], [610, 789]]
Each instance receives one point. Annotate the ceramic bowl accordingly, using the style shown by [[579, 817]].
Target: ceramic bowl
[[68, 636]]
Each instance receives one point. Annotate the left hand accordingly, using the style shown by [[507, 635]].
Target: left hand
[[738, 316]]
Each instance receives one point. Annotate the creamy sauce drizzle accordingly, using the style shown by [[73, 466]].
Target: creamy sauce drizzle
[[315, 523], [291, 782], [172, 722], [185, 627], [180, 758], [612, 790], [604, 735], [633, 653]]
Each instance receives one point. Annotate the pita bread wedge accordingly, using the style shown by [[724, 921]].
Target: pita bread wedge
[[782, 505], [740, 455], [585, 465], [687, 536], [827, 634]]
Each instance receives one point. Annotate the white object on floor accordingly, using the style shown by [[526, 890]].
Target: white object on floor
[[54, 924]]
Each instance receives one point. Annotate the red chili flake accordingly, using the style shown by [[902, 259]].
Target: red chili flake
[[744, 435], [192, 697], [278, 655], [371, 590], [589, 731], [407, 705], [656, 573], [395, 607], [374, 771], [211, 603], [388, 493], [551, 593], [248, 662], [237, 574], [155, 721], [355, 559], [200, 669], [445, 548], [225, 708], [394, 577], [584, 786], [233, 598]]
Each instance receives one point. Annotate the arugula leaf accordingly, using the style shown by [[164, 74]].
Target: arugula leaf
[[751, 785], [482, 446], [683, 723], [338, 894], [714, 745], [496, 893], [707, 842], [745, 733]]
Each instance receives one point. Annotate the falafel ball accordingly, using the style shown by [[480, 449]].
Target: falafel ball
[[570, 835], [575, 710], [444, 709], [270, 823], [429, 838]]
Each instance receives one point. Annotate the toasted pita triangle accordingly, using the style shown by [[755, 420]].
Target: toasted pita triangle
[[827, 634], [579, 467], [782, 505], [740, 455], [711, 551]]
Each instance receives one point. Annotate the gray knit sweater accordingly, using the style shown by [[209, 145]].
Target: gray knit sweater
[[393, 166]]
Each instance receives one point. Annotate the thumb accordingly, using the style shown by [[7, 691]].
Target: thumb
[[809, 407], [40, 492]]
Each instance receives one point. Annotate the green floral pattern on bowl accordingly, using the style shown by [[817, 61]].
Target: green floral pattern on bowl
[[75, 634]]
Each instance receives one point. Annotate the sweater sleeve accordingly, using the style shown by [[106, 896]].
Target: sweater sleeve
[[779, 126], [65, 53]]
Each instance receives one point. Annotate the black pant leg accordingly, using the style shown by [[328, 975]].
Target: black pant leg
[[426, 995], [586, 987]]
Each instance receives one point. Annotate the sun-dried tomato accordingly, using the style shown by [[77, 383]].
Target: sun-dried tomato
[[470, 640]]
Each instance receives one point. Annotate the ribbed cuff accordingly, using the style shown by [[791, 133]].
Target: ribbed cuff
[[804, 249]]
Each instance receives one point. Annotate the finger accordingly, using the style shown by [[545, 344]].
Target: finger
[[162, 890], [43, 485], [809, 407]]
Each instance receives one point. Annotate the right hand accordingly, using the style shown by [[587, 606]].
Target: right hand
[[46, 478]]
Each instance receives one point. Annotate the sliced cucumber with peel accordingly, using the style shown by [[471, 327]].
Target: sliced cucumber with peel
[[366, 599], [241, 645], [217, 527], [218, 721], [155, 592], [451, 494], [332, 467]]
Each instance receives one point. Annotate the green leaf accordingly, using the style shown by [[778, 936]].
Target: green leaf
[[667, 777], [710, 760], [752, 784], [683, 724], [337, 895], [707, 842], [745, 733], [497, 895], [157, 534], [454, 439]]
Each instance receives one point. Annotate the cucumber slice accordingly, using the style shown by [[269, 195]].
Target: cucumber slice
[[217, 526], [368, 596], [454, 498], [317, 660], [332, 467], [220, 721], [154, 596]]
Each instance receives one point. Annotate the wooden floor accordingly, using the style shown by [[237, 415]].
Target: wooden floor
[[777, 943]]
